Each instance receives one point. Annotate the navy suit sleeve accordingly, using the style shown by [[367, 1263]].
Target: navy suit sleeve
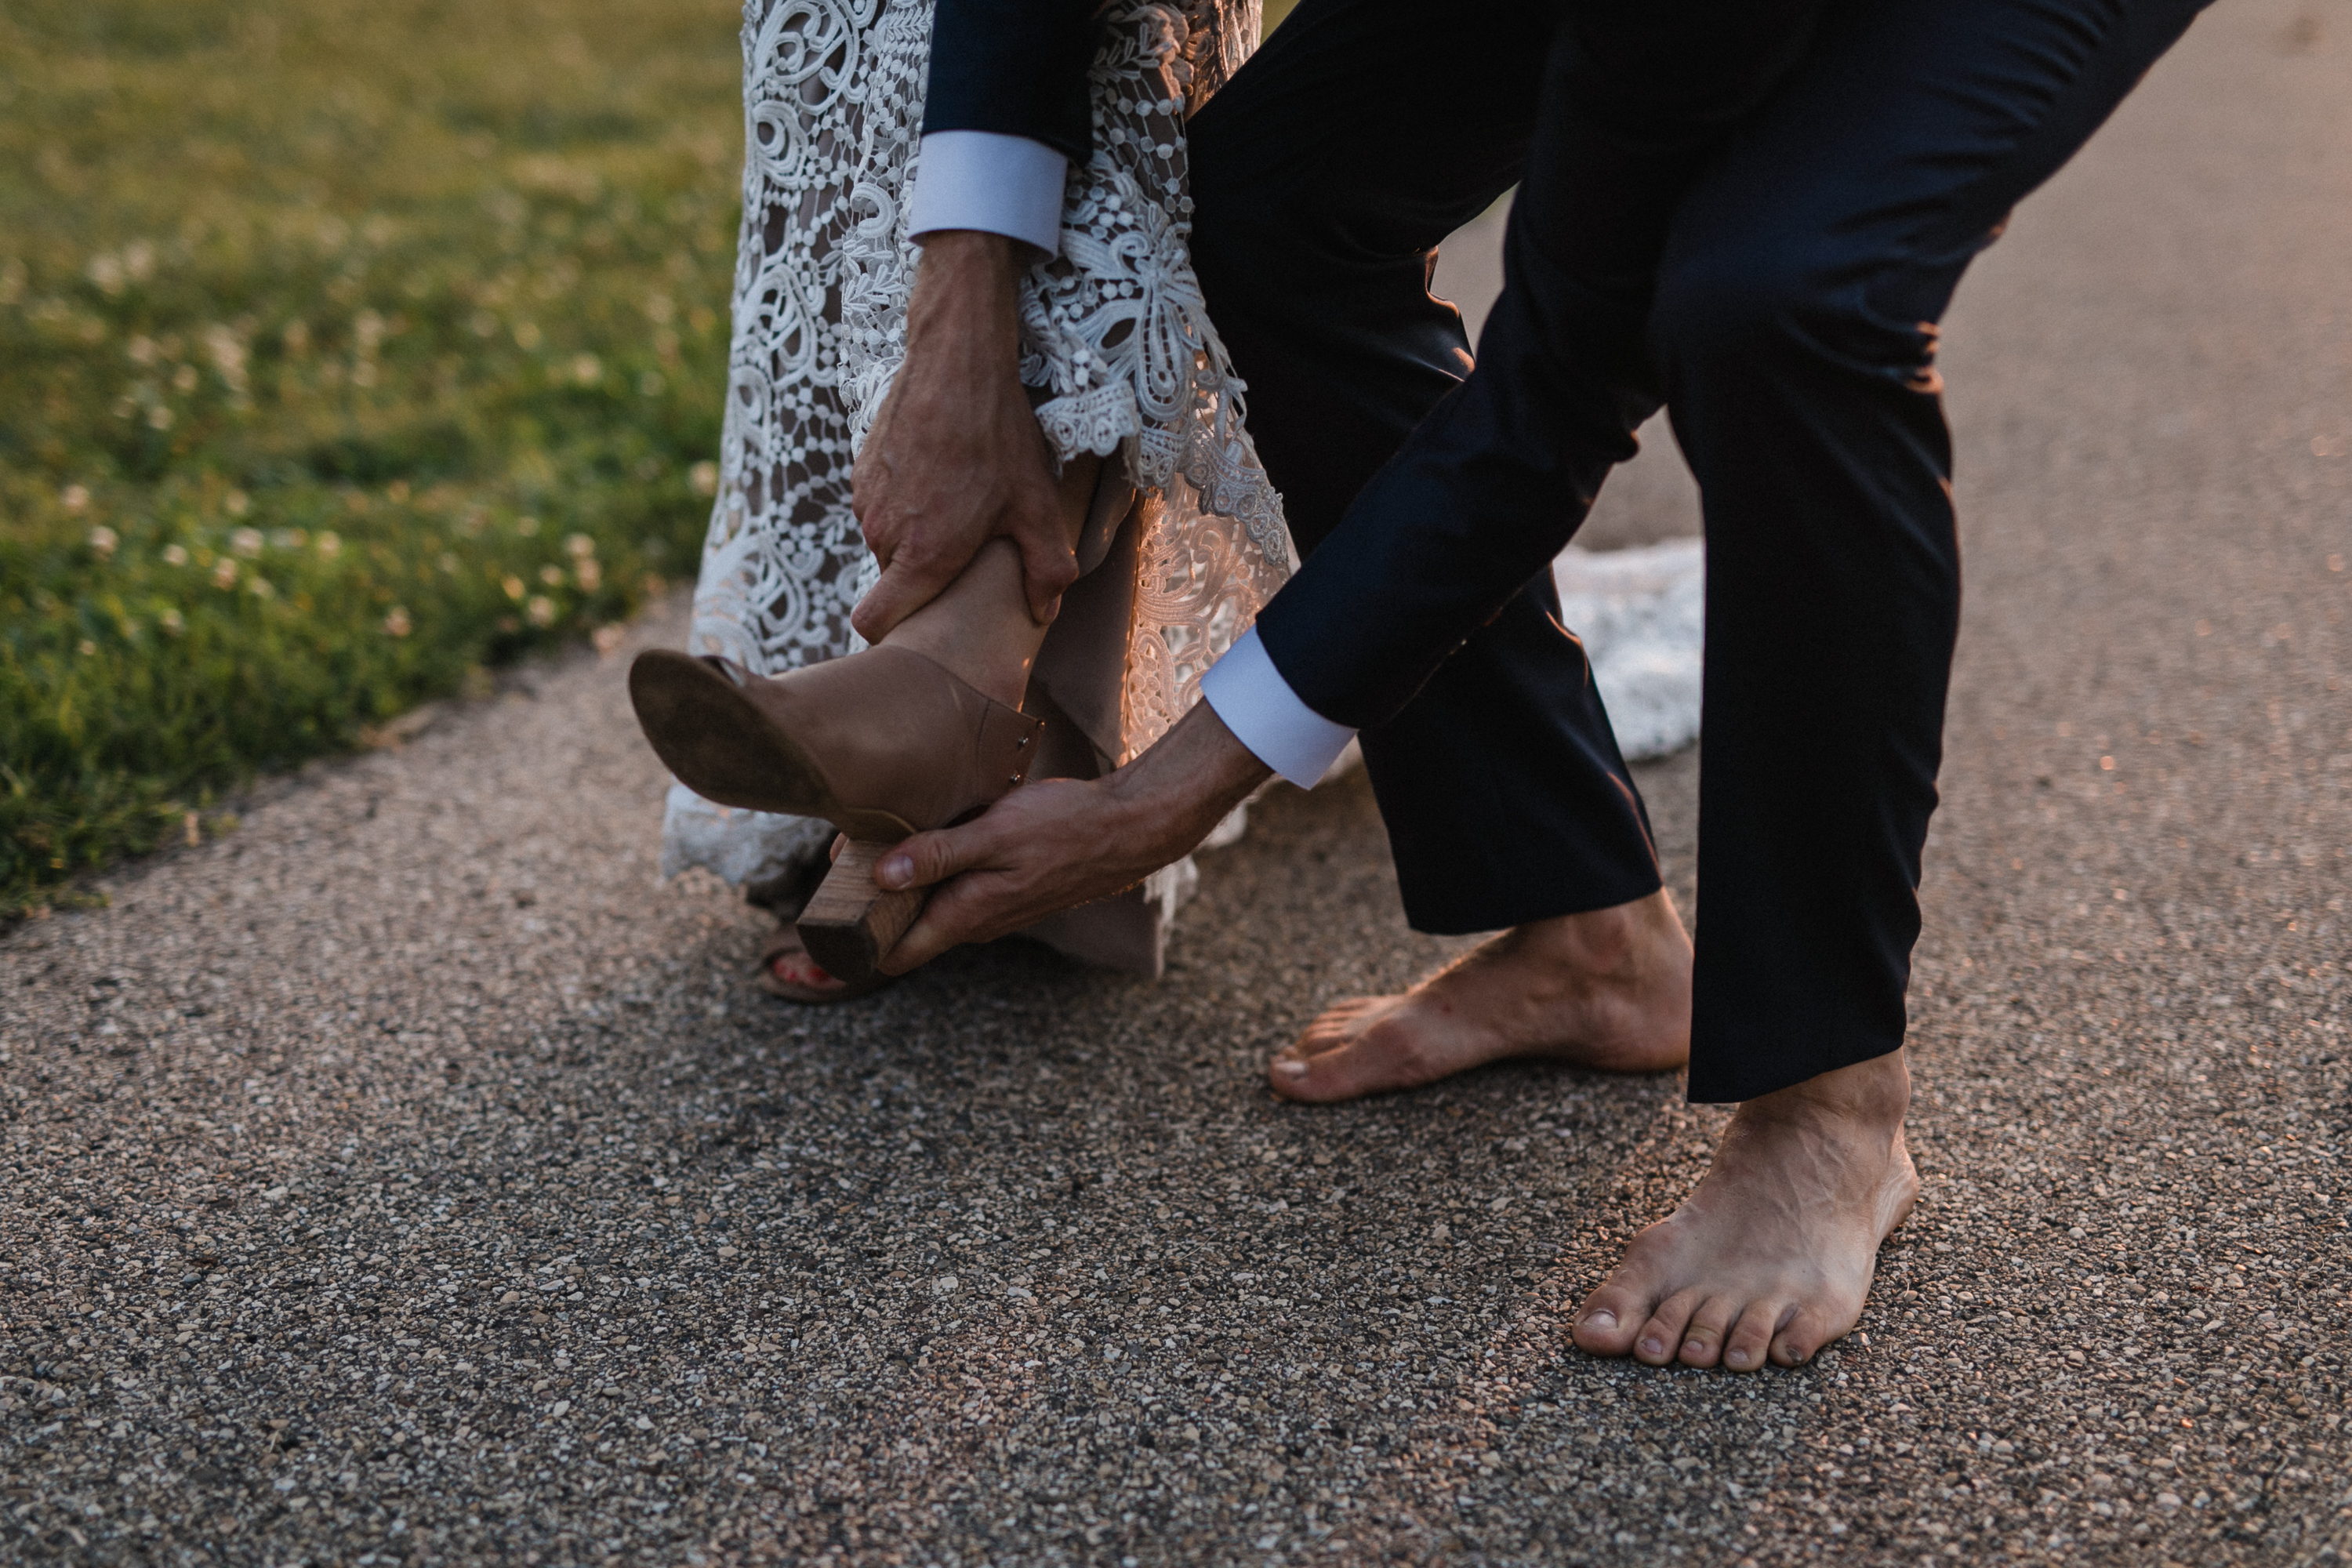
[[1017, 67]]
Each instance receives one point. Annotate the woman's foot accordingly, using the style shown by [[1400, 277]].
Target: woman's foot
[[1771, 1256], [787, 971], [1608, 989]]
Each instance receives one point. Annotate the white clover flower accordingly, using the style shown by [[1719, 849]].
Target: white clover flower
[[246, 542], [396, 621], [102, 540], [228, 355], [541, 610]]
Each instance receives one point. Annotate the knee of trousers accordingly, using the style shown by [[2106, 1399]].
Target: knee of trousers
[[1753, 308]]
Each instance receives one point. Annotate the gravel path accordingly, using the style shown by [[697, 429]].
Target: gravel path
[[412, 1177]]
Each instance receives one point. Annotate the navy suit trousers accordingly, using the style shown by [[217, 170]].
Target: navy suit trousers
[[1754, 214]]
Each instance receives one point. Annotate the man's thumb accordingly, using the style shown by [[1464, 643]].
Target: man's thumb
[[923, 861], [901, 590]]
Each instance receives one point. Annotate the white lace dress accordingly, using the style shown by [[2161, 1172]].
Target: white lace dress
[[1114, 333]]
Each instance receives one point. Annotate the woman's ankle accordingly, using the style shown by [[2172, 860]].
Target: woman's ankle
[[979, 630]]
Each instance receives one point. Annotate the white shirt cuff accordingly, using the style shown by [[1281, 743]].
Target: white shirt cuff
[[992, 183], [1257, 705]]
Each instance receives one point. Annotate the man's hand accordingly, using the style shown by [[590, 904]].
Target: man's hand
[[955, 457], [1060, 842]]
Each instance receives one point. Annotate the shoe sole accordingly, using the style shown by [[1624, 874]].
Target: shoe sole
[[718, 745]]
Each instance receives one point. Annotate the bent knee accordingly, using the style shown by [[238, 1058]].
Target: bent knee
[[1750, 305]]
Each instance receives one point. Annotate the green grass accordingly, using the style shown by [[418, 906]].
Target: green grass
[[345, 349]]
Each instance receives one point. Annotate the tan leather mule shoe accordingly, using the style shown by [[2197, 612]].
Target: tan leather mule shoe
[[882, 743]]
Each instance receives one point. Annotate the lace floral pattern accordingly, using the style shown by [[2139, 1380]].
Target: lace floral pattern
[[1114, 329]]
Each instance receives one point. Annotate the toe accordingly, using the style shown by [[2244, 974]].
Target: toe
[[1802, 1335], [1335, 1027], [1703, 1340], [1374, 1061], [1751, 1337], [798, 969], [1612, 1315], [1661, 1336], [1606, 1323]]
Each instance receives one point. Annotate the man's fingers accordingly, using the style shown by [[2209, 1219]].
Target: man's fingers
[[954, 913], [1047, 567], [923, 861], [904, 587], [935, 930]]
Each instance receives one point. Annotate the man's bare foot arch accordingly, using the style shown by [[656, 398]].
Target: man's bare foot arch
[[1608, 990]]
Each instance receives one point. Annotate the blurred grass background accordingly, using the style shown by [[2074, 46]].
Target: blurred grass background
[[345, 349]]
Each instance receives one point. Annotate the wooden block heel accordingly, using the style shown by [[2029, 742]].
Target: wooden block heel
[[850, 923]]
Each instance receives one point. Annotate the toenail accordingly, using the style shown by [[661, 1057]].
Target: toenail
[[1602, 1319], [1290, 1067], [1652, 1346], [1695, 1347]]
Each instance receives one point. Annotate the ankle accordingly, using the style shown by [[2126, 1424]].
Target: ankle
[[1625, 941], [979, 630], [993, 671], [1873, 1093]]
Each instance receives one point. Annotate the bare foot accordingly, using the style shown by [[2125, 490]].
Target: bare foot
[[1772, 1253], [787, 971], [1608, 989]]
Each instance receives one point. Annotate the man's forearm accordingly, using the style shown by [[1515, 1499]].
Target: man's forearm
[[964, 312], [955, 457], [1186, 782]]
